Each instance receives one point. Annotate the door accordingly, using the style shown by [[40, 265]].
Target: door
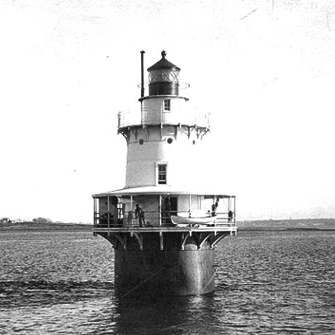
[[169, 207]]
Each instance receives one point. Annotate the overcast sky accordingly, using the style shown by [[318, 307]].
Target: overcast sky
[[264, 69]]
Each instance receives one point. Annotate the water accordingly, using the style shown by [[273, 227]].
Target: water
[[267, 283]]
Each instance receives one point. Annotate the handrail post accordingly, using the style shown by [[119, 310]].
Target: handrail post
[[97, 208], [229, 206], [94, 212], [108, 212], [131, 209], [160, 209], [119, 119], [189, 204], [162, 114], [234, 211], [142, 113]]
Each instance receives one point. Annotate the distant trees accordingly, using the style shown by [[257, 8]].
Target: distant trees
[[41, 220], [5, 220]]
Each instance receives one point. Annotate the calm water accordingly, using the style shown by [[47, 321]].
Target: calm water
[[267, 283]]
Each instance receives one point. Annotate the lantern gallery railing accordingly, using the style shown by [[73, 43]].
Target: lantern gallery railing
[[147, 117]]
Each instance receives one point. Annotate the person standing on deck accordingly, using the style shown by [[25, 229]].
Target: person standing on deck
[[215, 206], [230, 216], [139, 214]]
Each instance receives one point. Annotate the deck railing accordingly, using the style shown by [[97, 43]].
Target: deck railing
[[151, 218]]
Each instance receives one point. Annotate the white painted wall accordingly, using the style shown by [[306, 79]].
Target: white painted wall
[[180, 156], [153, 112]]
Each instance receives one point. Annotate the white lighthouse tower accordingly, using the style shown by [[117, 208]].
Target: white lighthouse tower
[[162, 226]]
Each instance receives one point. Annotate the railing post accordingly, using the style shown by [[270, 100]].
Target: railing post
[[162, 114], [108, 212], [229, 205], [119, 119], [94, 212], [234, 211], [131, 209], [142, 112], [160, 209], [189, 204], [97, 210]]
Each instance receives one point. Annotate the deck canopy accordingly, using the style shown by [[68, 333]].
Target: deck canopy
[[162, 189]]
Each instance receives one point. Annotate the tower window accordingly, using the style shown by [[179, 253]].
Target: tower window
[[167, 104], [162, 173]]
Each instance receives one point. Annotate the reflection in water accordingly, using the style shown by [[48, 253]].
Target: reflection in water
[[177, 315]]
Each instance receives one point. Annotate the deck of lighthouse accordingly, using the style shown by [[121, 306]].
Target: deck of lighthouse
[[115, 212]]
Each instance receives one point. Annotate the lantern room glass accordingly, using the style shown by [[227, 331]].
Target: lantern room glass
[[163, 75]]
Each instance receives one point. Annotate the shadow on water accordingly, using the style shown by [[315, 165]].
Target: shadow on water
[[150, 315]]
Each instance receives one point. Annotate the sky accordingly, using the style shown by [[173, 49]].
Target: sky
[[265, 70]]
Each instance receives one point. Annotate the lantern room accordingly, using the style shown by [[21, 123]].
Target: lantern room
[[163, 77]]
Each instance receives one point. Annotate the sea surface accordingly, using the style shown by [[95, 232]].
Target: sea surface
[[267, 283]]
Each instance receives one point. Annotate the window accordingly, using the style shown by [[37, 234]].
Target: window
[[167, 104], [161, 173]]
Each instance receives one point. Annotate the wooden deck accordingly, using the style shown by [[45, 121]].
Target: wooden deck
[[167, 229]]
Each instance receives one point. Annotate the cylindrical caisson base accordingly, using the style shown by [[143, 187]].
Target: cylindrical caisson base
[[169, 272]]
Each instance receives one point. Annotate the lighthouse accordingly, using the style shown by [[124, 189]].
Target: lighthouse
[[163, 226]]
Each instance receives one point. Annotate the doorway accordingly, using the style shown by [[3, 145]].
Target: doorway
[[169, 207]]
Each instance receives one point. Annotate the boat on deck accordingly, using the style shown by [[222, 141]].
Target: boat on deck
[[181, 221]]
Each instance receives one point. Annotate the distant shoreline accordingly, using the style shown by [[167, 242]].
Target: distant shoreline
[[255, 225], [288, 225], [89, 229], [284, 229], [50, 226]]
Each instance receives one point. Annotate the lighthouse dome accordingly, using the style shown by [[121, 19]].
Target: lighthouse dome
[[163, 77]]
